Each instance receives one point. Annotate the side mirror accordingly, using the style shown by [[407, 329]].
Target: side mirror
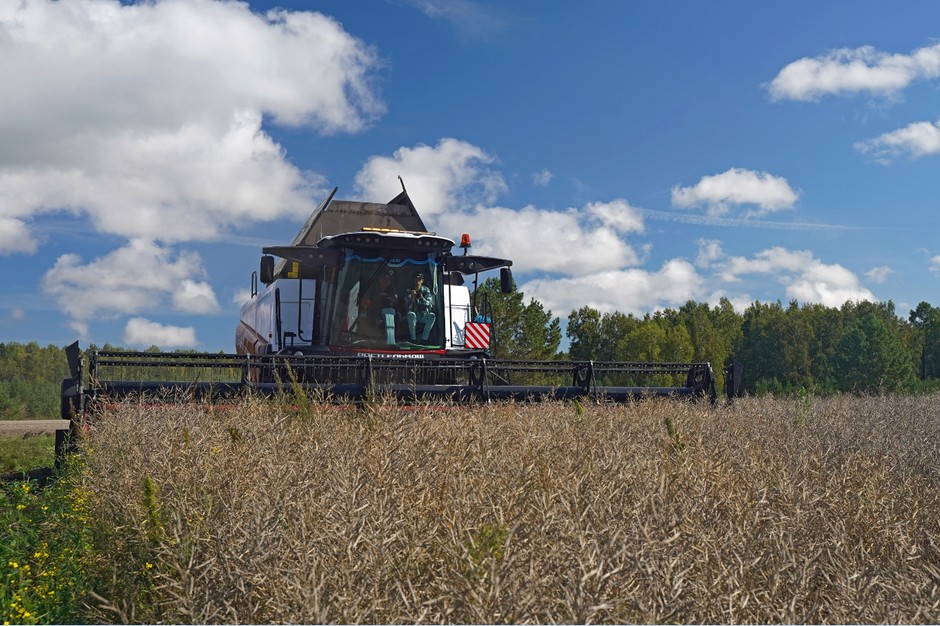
[[505, 280], [267, 269]]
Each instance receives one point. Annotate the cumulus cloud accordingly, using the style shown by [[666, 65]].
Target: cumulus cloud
[[617, 214], [739, 302], [541, 179], [194, 297], [241, 296], [14, 234], [805, 277], [934, 264], [148, 117], [709, 251], [82, 329], [851, 71], [142, 332], [629, 290], [571, 242], [915, 140], [737, 187], [879, 275], [453, 186], [452, 175], [131, 279]]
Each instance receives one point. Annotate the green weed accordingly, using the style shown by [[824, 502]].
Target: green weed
[[20, 454], [47, 556]]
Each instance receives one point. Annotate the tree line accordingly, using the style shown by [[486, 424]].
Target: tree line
[[858, 347], [31, 376]]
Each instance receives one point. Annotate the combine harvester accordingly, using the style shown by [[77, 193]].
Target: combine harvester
[[366, 302]]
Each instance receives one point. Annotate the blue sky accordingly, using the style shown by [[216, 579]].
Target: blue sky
[[626, 155]]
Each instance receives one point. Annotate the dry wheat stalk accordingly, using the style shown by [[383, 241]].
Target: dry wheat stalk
[[771, 510]]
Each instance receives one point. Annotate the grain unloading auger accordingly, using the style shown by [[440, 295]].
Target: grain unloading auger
[[366, 302]]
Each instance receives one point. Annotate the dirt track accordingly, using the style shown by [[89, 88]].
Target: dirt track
[[21, 427]]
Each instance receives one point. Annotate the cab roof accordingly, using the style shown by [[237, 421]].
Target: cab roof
[[335, 217]]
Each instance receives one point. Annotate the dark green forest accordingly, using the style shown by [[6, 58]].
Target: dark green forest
[[29, 380], [860, 347], [31, 376]]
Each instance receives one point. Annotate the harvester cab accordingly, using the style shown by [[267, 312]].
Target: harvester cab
[[368, 279]]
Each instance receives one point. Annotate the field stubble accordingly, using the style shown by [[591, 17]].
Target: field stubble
[[771, 510]]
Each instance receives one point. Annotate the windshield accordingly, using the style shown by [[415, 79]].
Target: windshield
[[388, 303]]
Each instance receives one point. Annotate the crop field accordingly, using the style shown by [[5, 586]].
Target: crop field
[[771, 510]]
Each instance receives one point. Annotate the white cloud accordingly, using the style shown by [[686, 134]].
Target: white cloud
[[143, 332], [737, 187], [618, 215], [17, 314], [81, 328], [148, 117], [194, 297], [14, 235], [767, 262], [935, 264], [805, 277], [630, 291], [850, 71], [541, 179], [739, 302], [241, 296], [916, 140], [879, 275], [570, 242], [129, 280], [452, 187], [449, 176], [709, 251]]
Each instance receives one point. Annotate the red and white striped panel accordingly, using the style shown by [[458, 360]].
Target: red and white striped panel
[[477, 335]]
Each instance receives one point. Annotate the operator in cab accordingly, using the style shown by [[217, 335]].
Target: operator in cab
[[419, 302], [381, 304]]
